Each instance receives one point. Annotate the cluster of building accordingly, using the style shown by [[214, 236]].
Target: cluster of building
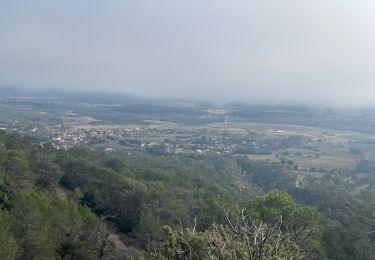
[[154, 140]]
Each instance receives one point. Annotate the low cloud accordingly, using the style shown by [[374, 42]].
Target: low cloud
[[318, 51]]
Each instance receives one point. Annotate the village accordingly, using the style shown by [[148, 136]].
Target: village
[[150, 139]]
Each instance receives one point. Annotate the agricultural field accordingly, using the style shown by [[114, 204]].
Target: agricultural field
[[192, 128]]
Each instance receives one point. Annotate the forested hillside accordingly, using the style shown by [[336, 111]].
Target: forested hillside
[[81, 204]]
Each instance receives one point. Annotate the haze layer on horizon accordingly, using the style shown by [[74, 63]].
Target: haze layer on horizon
[[314, 51]]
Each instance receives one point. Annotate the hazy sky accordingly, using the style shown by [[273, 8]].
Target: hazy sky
[[281, 50]]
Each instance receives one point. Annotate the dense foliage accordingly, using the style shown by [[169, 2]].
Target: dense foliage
[[264, 227], [70, 204]]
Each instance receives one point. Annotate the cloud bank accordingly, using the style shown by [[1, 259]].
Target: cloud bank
[[314, 51]]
